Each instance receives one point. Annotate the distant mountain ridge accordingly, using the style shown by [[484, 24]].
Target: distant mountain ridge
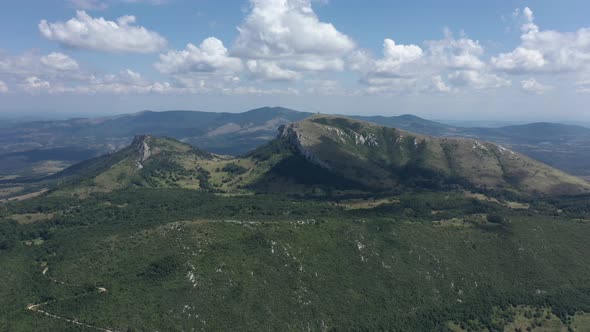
[[44, 147], [117, 131], [410, 122]]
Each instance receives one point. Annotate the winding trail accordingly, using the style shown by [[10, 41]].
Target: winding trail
[[37, 307]]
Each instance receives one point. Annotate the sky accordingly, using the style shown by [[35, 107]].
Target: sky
[[508, 60]]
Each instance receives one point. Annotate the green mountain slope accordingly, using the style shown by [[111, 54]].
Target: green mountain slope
[[565, 147], [35, 149], [177, 260], [381, 158], [321, 155], [163, 236], [148, 162]]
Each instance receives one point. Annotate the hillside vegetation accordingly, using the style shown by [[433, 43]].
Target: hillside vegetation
[[335, 225], [322, 155], [177, 259], [36, 149], [383, 158]]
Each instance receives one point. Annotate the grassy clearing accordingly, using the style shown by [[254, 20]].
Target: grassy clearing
[[528, 318], [28, 218], [366, 203], [535, 319], [24, 197], [34, 242], [508, 204], [479, 219], [453, 222], [48, 167], [581, 322], [10, 191]]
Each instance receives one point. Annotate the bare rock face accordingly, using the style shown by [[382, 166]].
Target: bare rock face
[[142, 149], [288, 132], [368, 139], [297, 140]]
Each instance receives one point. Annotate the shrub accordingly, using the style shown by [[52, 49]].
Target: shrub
[[234, 169], [496, 219]]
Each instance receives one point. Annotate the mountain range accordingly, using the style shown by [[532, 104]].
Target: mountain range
[[33, 149], [318, 155], [335, 224]]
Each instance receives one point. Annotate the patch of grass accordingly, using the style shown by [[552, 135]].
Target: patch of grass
[[486, 198], [24, 196], [34, 242], [10, 191], [28, 218], [581, 322], [366, 203]]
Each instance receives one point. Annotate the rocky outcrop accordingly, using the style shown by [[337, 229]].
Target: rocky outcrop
[[142, 149], [296, 139], [368, 139]]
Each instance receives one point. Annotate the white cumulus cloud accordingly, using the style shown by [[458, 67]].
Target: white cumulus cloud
[[269, 70], [546, 50], [285, 28], [520, 60], [60, 61], [290, 35], [477, 80], [531, 85], [124, 82], [285, 40], [211, 57], [34, 84], [99, 34], [439, 85], [452, 53], [49, 66], [395, 56], [441, 66]]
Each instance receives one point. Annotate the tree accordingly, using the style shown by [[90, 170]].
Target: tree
[[496, 219]]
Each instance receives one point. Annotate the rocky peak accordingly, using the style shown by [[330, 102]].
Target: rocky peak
[[291, 134], [286, 131], [141, 148]]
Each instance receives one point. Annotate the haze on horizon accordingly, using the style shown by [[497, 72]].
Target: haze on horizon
[[510, 61]]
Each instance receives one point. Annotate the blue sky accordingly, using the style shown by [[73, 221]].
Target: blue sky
[[492, 60]]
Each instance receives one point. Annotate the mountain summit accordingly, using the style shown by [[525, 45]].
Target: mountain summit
[[323, 152], [380, 158]]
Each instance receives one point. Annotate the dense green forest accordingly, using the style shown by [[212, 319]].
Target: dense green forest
[[175, 259]]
